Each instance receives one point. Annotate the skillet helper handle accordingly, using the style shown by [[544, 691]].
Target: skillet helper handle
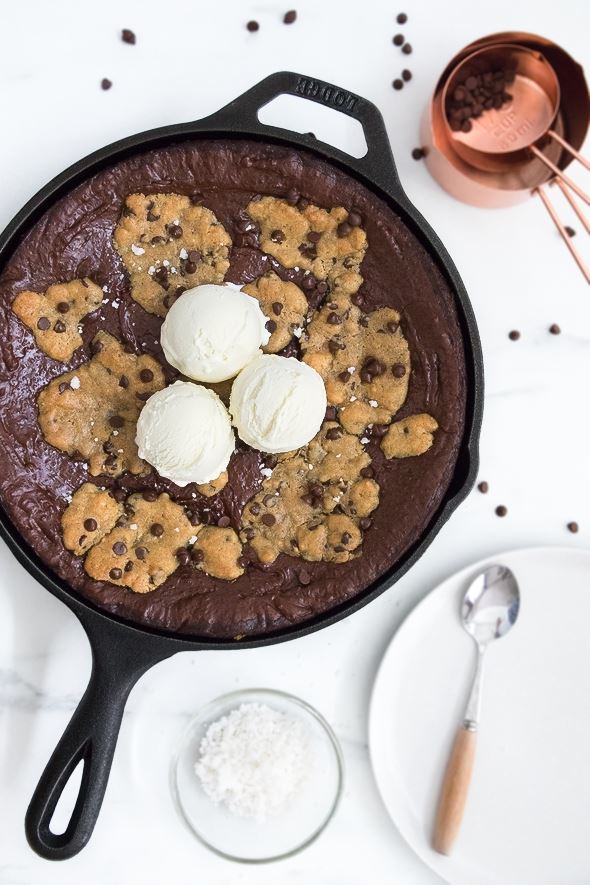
[[90, 737], [455, 788], [242, 113]]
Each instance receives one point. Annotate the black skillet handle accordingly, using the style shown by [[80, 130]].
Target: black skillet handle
[[118, 661], [378, 163]]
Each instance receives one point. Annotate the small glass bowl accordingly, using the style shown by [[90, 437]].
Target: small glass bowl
[[292, 829]]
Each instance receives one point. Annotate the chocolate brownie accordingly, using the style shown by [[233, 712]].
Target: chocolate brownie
[[347, 287]]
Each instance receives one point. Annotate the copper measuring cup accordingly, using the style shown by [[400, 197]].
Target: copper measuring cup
[[503, 138]]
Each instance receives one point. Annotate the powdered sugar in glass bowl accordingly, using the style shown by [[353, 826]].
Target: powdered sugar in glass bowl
[[233, 790]]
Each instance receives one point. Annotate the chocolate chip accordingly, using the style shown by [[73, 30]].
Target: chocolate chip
[[150, 495], [418, 154], [402, 18], [128, 36], [514, 335], [322, 287], [466, 126], [365, 523], [343, 229], [115, 574], [141, 553], [270, 326], [195, 256], [183, 556], [330, 414], [302, 203], [570, 231], [116, 421], [344, 376], [144, 396], [43, 324], [573, 527], [346, 538], [554, 329], [407, 49], [119, 495], [501, 510], [367, 472], [119, 548], [128, 566], [392, 327], [339, 549], [398, 370], [398, 39], [304, 577], [334, 433], [90, 524], [105, 83], [357, 299], [63, 387], [308, 282], [289, 17], [197, 555], [314, 236], [277, 236], [124, 382], [292, 196], [483, 487], [96, 347], [355, 218], [268, 519], [63, 307], [249, 533], [157, 529], [334, 346], [243, 561], [255, 509], [223, 522], [406, 75], [374, 367], [277, 308], [398, 84], [334, 319], [252, 26], [194, 519], [160, 274], [59, 326], [174, 230], [146, 375]]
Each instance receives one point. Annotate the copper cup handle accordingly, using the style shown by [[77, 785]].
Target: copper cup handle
[[560, 226]]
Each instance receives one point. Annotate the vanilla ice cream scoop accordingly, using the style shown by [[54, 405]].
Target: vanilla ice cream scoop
[[211, 332], [184, 431], [277, 403]]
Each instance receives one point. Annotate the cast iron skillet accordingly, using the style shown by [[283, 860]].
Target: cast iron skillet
[[122, 652]]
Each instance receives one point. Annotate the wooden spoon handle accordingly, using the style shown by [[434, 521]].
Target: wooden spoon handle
[[453, 795]]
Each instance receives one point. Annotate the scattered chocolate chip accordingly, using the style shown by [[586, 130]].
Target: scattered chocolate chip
[[406, 75], [105, 83], [402, 18], [197, 555], [407, 49], [339, 549], [90, 524], [398, 40], [367, 472], [357, 299], [194, 519], [119, 495], [344, 376], [43, 324], [334, 319], [355, 218], [277, 236], [128, 36], [59, 326], [157, 529], [270, 326], [314, 236], [514, 335], [501, 510], [252, 26], [570, 231], [115, 574], [308, 282], [150, 495], [418, 154], [397, 83], [124, 382], [289, 17], [116, 421], [268, 519], [146, 375], [398, 370], [555, 329], [365, 523], [330, 413], [223, 522], [304, 577], [63, 387], [277, 308], [346, 538], [292, 196], [573, 527], [119, 548], [128, 566], [63, 307], [334, 432], [466, 126], [483, 487], [141, 553], [343, 229], [334, 346], [175, 231], [194, 256], [183, 556], [190, 267]]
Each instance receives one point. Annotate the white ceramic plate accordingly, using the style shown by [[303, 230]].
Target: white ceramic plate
[[528, 814]]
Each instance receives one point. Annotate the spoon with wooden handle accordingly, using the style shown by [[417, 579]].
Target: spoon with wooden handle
[[488, 611]]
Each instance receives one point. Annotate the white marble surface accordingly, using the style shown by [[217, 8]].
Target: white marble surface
[[190, 58]]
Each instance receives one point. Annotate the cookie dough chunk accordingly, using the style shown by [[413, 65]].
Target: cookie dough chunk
[[284, 304], [364, 360], [140, 552], [91, 412], [168, 244], [327, 244], [410, 437], [218, 552], [91, 515], [215, 486], [309, 498], [53, 316]]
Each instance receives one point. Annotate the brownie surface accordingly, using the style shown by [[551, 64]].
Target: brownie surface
[[74, 239]]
